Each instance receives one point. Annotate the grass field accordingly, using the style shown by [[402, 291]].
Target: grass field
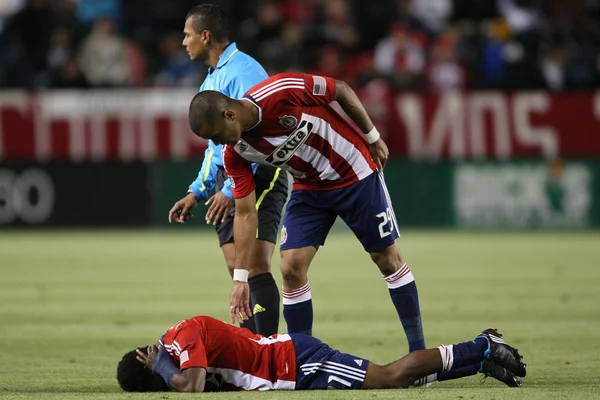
[[73, 302]]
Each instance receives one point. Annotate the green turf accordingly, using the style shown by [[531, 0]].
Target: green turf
[[72, 302]]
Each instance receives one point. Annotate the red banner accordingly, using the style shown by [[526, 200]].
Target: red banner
[[152, 124], [492, 125], [97, 125]]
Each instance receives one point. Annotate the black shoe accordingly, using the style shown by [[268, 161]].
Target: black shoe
[[503, 354], [490, 368]]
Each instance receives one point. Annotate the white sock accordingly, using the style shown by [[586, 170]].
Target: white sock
[[425, 380], [447, 357], [296, 296]]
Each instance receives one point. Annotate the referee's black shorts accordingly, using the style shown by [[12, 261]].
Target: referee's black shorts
[[271, 196]]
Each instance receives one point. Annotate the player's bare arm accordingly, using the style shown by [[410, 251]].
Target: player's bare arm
[[219, 206], [191, 380], [352, 106], [245, 225], [181, 210], [350, 103], [160, 362]]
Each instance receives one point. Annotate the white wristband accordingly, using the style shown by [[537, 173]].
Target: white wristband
[[372, 136], [240, 275]]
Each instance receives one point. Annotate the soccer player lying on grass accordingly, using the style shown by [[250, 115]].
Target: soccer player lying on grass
[[204, 354]]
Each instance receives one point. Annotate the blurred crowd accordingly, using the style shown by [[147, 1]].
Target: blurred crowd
[[427, 45]]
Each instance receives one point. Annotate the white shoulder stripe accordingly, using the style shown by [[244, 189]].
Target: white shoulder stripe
[[278, 81], [262, 93], [267, 94], [172, 350], [177, 345]]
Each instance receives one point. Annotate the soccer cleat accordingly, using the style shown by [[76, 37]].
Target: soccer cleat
[[490, 368], [503, 354]]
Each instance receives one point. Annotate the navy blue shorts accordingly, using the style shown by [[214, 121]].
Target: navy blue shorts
[[318, 366], [364, 206]]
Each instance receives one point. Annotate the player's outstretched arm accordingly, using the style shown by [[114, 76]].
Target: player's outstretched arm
[[350, 103], [181, 210], [245, 225], [198, 190], [207, 176]]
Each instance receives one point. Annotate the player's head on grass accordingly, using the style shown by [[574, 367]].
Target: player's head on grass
[[220, 118], [133, 376], [206, 26]]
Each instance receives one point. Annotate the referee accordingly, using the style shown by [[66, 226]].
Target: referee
[[232, 73]]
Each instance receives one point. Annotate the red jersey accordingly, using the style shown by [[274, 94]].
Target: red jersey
[[244, 360], [299, 132]]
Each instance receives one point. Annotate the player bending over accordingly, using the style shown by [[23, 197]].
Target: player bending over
[[286, 121], [204, 354]]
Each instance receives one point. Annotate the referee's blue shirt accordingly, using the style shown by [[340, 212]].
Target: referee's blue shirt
[[235, 74]]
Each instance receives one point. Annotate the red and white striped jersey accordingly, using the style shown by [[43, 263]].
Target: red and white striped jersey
[[243, 360], [300, 132]]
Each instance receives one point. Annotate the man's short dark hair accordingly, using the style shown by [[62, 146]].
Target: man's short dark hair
[[133, 376], [212, 18], [207, 108]]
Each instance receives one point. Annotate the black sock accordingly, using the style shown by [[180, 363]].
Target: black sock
[[264, 302], [249, 324]]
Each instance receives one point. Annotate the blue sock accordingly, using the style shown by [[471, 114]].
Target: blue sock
[[469, 353], [456, 373], [298, 310], [405, 297], [463, 354]]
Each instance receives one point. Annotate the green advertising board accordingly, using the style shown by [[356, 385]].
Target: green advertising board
[[169, 182], [527, 194], [511, 194], [420, 192]]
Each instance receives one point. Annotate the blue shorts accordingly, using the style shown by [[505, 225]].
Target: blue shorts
[[318, 366], [365, 206]]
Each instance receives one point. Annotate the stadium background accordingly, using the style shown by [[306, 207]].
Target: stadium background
[[491, 110]]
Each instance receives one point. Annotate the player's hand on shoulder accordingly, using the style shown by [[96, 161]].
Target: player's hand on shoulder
[[380, 153], [219, 206], [180, 212]]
